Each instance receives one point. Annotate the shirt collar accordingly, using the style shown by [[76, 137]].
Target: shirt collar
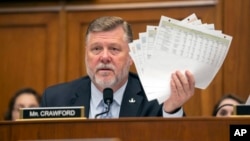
[[97, 96]]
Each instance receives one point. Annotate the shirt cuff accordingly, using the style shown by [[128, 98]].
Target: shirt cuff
[[179, 113]]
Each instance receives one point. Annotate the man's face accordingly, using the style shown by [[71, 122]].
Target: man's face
[[107, 58]]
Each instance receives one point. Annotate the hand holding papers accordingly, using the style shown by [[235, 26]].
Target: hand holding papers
[[178, 45]]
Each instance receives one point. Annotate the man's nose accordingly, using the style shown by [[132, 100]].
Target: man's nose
[[105, 56]]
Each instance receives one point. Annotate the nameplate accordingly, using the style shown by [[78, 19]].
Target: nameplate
[[51, 112], [242, 109]]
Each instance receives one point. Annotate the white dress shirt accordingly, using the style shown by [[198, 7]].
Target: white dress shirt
[[96, 98]]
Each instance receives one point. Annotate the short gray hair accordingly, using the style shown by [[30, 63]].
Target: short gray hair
[[108, 23]]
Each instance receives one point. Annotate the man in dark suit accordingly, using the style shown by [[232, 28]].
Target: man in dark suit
[[108, 62]]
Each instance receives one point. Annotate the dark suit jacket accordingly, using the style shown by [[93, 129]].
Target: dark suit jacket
[[77, 93]]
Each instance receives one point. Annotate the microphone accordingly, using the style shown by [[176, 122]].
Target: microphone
[[108, 99]]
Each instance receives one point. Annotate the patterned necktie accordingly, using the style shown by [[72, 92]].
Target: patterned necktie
[[105, 108]]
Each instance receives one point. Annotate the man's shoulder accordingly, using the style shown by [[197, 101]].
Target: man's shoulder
[[134, 82], [134, 78], [73, 84], [133, 75], [62, 94]]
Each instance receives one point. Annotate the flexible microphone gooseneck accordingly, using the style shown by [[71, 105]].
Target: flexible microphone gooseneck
[[108, 99]]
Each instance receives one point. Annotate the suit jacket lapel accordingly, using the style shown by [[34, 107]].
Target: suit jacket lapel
[[81, 95], [131, 98]]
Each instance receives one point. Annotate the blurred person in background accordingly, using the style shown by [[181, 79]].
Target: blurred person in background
[[225, 106], [23, 98]]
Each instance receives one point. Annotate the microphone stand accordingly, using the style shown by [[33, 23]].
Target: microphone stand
[[107, 99], [105, 112]]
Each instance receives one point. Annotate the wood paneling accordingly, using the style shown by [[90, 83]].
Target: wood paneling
[[236, 78], [29, 53]]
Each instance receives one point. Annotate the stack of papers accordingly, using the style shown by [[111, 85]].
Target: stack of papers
[[178, 45]]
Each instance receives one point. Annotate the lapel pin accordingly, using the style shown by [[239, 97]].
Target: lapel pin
[[132, 100]]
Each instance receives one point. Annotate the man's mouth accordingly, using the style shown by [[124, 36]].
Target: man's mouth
[[104, 70]]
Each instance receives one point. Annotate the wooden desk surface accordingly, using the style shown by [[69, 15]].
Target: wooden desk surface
[[126, 129]]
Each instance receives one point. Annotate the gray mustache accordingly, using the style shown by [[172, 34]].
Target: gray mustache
[[105, 66]]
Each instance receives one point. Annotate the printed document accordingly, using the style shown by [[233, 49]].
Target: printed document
[[178, 45]]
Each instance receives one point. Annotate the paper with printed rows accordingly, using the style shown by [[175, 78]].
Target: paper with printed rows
[[178, 45]]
